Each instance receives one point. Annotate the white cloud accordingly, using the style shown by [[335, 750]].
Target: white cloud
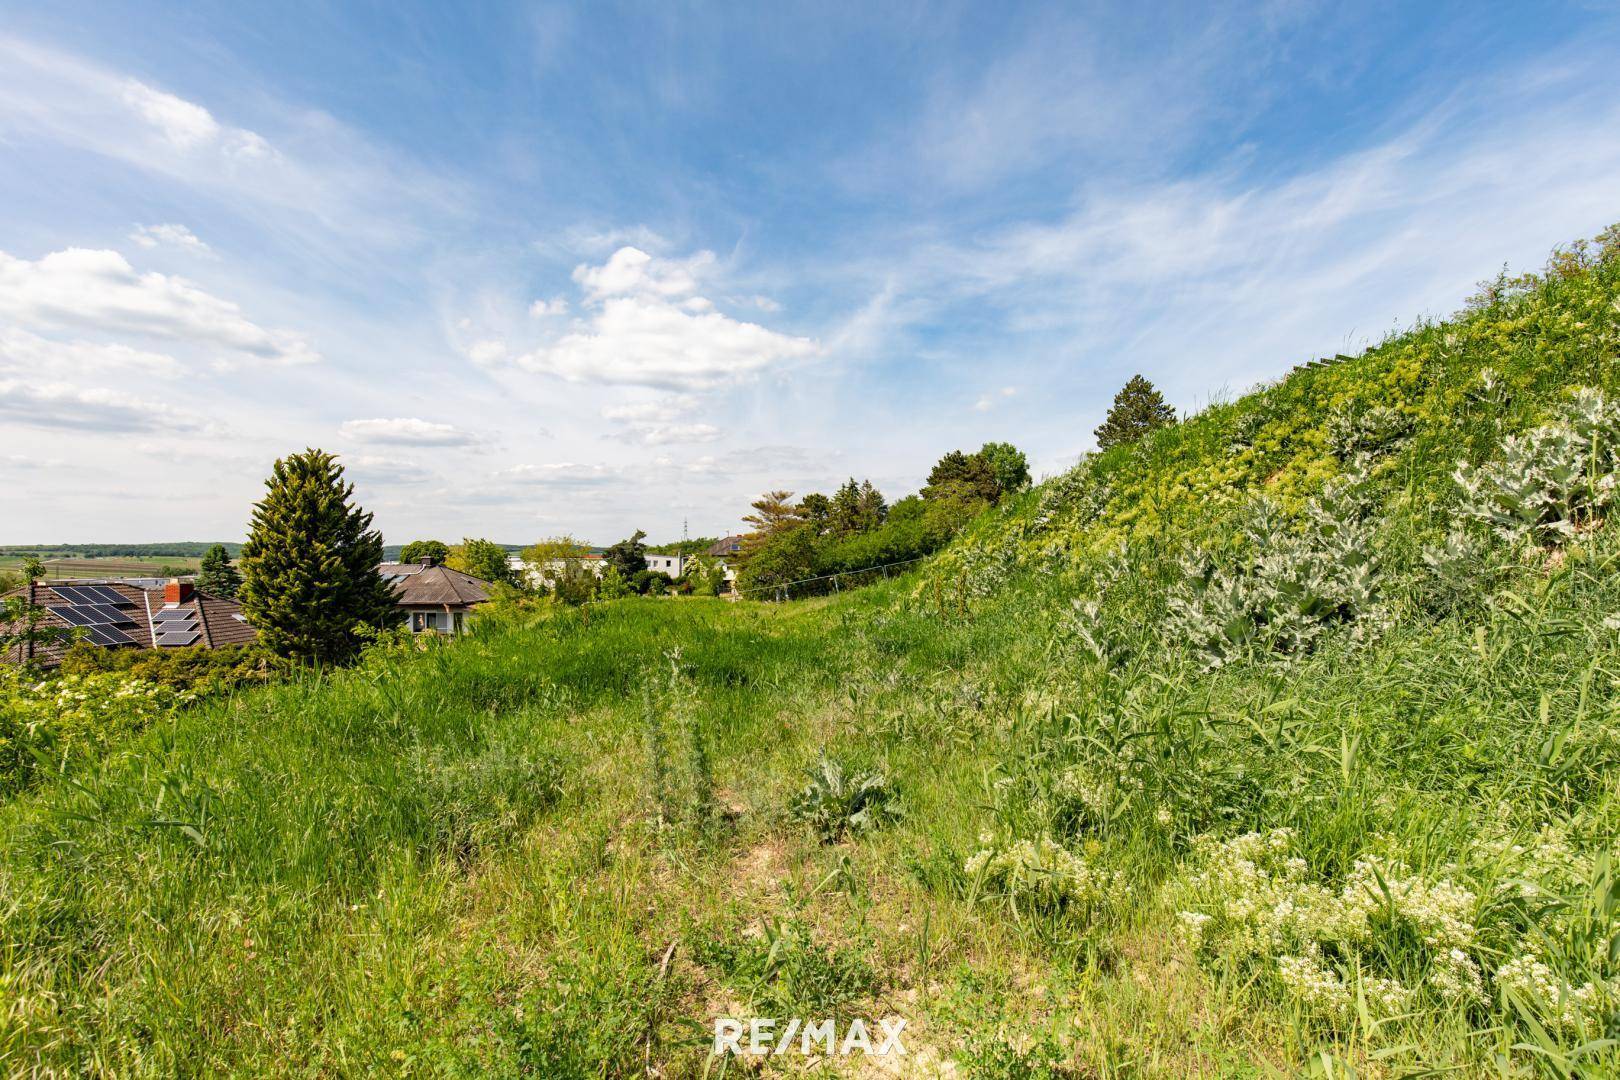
[[987, 402], [182, 122], [487, 353], [665, 409], [371, 469], [86, 290], [407, 431], [631, 272], [92, 409], [560, 474], [542, 309], [151, 236], [29, 354], [645, 328], [665, 434], [649, 342]]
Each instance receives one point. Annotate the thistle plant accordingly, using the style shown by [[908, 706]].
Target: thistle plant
[[837, 803], [1289, 587], [1551, 482]]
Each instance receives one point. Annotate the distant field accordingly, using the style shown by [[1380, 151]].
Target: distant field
[[111, 567]]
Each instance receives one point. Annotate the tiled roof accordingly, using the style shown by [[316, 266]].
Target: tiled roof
[[420, 585], [215, 617]]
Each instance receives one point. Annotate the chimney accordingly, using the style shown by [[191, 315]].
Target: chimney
[[428, 560], [176, 591]]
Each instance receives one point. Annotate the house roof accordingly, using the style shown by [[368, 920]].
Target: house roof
[[726, 545], [215, 618], [424, 585]]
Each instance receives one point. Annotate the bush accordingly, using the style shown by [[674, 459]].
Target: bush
[[52, 726], [194, 667]]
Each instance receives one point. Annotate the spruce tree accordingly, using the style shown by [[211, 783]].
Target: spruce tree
[[310, 583], [1138, 409], [215, 575]]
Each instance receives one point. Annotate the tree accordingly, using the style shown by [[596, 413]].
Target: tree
[[417, 550], [845, 518], [962, 478], [483, 559], [612, 585], [629, 556], [1138, 409], [215, 575], [309, 568], [558, 564], [1008, 464], [789, 556], [871, 509], [816, 510]]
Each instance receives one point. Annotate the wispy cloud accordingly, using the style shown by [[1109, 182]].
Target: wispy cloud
[[99, 291], [407, 431]]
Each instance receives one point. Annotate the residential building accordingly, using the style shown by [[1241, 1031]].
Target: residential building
[[115, 614], [433, 598]]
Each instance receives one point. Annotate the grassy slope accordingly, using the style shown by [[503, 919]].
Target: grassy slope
[[449, 863]]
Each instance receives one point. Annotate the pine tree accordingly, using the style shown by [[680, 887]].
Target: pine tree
[[845, 515], [215, 575], [309, 568], [873, 509], [1138, 409]]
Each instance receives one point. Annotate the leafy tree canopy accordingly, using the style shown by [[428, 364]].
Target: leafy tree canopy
[[483, 559], [417, 550], [628, 556]]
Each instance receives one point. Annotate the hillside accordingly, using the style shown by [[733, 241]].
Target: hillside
[[1274, 742]]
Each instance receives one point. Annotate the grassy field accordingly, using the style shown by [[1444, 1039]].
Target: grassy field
[[1265, 747], [105, 568]]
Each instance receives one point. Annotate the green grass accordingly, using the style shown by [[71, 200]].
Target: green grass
[[562, 846]]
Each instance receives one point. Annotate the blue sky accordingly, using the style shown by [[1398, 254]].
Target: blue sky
[[534, 269]]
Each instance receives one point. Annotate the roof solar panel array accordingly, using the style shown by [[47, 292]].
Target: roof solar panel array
[[86, 595], [173, 627]]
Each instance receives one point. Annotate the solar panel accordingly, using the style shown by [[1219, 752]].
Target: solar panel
[[73, 616], [177, 637], [76, 594], [106, 636], [167, 614], [107, 615], [108, 595]]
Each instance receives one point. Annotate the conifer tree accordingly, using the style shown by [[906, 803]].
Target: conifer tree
[[215, 574], [309, 568], [1138, 409]]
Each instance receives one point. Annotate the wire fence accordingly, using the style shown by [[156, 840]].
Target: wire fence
[[823, 584]]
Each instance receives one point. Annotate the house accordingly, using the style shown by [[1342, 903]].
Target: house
[[434, 598], [546, 574], [117, 615], [727, 547], [673, 565]]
